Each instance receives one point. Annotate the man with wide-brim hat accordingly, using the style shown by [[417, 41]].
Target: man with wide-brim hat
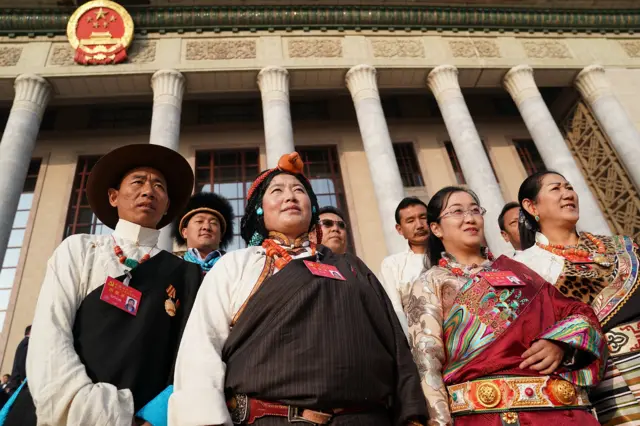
[[92, 361], [205, 227]]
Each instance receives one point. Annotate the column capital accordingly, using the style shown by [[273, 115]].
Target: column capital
[[443, 82], [32, 93], [361, 80], [520, 83], [168, 87], [273, 82], [592, 83]]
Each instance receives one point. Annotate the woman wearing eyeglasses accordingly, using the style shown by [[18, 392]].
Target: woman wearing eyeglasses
[[599, 270], [494, 343]]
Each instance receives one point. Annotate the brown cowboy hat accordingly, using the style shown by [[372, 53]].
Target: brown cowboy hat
[[111, 168]]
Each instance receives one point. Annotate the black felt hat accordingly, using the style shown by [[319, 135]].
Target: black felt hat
[[207, 202], [112, 167]]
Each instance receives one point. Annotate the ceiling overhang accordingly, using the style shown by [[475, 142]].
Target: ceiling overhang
[[417, 17]]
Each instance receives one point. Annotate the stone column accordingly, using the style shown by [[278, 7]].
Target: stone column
[[168, 89], [387, 183], [276, 113], [443, 82], [521, 85], [623, 134], [16, 147]]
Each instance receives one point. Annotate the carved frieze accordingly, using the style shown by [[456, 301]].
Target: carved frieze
[[397, 48], [546, 49], [632, 47], [61, 55], [201, 50], [315, 48], [9, 56], [142, 52], [479, 48]]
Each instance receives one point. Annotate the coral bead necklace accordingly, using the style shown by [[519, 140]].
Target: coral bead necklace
[[576, 255], [126, 261], [457, 270]]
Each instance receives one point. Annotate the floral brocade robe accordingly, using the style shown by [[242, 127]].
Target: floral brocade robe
[[463, 329]]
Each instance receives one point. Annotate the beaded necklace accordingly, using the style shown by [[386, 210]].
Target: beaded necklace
[[449, 262], [126, 261], [576, 255]]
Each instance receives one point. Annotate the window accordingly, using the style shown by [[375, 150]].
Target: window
[[228, 173], [529, 156], [408, 164], [457, 169], [80, 218], [16, 238]]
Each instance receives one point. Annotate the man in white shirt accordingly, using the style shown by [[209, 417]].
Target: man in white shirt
[[508, 223], [399, 271], [92, 361], [206, 228]]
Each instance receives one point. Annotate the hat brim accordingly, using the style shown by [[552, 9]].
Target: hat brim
[[111, 168]]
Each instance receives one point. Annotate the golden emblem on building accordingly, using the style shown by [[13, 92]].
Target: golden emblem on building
[[100, 31]]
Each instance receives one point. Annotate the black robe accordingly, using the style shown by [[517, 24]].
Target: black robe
[[130, 352], [321, 343]]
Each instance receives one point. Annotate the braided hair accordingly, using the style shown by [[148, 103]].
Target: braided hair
[[252, 228]]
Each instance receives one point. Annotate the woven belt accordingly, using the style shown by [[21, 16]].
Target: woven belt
[[499, 394], [245, 410], [624, 339]]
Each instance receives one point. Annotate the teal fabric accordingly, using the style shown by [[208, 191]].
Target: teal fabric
[[7, 407], [156, 411]]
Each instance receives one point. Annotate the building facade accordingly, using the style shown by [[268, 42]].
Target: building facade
[[382, 99]]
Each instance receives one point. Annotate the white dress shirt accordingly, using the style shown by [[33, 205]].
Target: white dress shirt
[[62, 392], [198, 397], [397, 275], [546, 264]]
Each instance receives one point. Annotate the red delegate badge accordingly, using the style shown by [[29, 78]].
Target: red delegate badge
[[121, 296], [502, 279], [322, 270]]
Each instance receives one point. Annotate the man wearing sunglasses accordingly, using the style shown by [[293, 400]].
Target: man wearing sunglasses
[[334, 229]]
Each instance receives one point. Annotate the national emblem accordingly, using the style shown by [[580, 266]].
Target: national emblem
[[100, 31]]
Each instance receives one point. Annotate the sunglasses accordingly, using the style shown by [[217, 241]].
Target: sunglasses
[[328, 223]]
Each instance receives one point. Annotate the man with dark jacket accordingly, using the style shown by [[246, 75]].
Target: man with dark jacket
[[19, 371]]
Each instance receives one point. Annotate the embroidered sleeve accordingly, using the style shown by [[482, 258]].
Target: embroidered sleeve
[[585, 336], [425, 315]]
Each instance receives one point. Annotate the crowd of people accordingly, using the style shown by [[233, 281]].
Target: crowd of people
[[296, 329]]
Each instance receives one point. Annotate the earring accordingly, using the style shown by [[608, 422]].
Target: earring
[[259, 211], [537, 218], [256, 239], [313, 209]]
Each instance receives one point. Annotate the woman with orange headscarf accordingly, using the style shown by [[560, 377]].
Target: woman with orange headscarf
[[286, 331]]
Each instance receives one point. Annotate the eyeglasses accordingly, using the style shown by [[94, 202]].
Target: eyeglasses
[[328, 223], [459, 213]]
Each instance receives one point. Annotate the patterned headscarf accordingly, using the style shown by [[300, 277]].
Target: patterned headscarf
[[252, 226]]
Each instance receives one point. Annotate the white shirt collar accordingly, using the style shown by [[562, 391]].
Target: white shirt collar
[[540, 238], [136, 233]]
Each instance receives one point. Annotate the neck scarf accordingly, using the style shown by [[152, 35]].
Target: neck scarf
[[205, 264]]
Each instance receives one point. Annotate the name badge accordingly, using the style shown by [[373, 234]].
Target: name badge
[[322, 270], [502, 279], [121, 296]]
